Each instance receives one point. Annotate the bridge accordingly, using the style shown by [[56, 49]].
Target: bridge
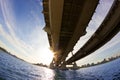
[[67, 20]]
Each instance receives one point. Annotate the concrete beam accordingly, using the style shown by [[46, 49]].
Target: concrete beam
[[55, 14], [86, 14], [107, 30]]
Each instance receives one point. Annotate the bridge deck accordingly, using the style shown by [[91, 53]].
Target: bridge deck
[[107, 30], [66, 22]]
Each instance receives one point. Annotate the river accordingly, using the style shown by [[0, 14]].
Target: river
[[12, 68]]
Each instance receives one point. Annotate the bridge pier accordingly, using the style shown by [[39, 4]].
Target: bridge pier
[[63, 65], [52, 64], [74, 63]]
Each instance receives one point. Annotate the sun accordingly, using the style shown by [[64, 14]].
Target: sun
[[45, 56], [42, 55]]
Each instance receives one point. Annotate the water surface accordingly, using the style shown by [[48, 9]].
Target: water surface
[[12, 68]]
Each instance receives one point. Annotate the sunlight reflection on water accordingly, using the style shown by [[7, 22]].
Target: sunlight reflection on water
[[15, 69]]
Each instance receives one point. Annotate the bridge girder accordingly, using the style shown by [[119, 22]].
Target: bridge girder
[[107, 30], [66, 22]]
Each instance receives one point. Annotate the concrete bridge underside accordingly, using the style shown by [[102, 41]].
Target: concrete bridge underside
[[106, 31], [67, 20]]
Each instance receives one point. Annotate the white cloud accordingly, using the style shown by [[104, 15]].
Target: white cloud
[[20, 45], [37, 38]]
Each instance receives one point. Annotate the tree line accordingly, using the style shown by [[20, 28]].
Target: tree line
[[101, 62]]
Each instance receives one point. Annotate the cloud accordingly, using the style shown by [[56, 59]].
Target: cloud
[[20, 45], [36, 43]]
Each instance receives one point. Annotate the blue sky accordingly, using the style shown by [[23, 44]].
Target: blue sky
[[21, 31], [21, 28]]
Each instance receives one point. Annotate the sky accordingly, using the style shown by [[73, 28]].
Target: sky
[[22, 34], [21, 30]]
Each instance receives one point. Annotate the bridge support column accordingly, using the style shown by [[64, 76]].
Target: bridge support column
[[63, 67], [52, 64], [74, 63]]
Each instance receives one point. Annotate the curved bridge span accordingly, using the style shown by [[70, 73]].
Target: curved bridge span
[[106, 31], [67, 20]]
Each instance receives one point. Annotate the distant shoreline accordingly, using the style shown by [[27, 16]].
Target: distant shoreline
[[2, 49]]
